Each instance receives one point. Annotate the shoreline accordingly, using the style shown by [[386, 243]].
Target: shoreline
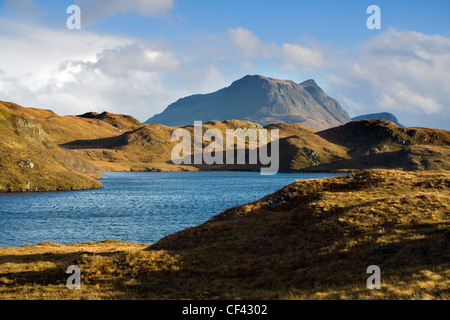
[[343, 171], [312, 239], [49, 244]]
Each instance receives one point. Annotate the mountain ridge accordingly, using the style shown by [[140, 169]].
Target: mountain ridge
[[381, 115], [261, 100]]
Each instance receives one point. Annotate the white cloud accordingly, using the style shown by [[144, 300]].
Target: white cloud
[[410, 57], [72, 73], [138, 56], [338, 80], [23, 8], [76, 72], [399, 95], [403, 72], [249, 46], [290, 56], [354, 108], [245, 42], [296, 56], [30, 49]]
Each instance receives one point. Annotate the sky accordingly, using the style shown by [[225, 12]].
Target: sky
[[138, 56]]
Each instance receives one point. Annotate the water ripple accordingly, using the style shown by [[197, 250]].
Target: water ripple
[[132, 206]]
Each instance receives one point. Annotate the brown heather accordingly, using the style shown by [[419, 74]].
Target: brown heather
[[31, 161], [312, 239]]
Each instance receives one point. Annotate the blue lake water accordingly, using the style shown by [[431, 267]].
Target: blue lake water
[[132, 206]]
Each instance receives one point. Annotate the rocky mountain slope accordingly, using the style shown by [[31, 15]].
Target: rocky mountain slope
[[260, 100]]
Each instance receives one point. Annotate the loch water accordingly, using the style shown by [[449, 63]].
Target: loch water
[[133, 206]]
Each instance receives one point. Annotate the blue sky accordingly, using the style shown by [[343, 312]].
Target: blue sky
[[136, 56]]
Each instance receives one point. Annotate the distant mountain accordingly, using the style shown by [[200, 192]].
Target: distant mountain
[[382, 115], [260, 100]]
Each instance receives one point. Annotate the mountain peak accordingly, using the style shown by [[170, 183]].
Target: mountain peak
[[261, 79], [310, 83], [259, 99]]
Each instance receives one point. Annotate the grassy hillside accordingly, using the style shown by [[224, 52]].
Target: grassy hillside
[[43, 151], [148, 148], [31, 161], [309, 240], [367, 144], [352, 147]]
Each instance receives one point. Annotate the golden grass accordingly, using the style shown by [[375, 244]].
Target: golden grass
[[39, 271], [31, 161], [69, 151], [310, 240]]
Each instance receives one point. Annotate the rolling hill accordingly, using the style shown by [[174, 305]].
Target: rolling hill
[[40, 150], [30, 160]]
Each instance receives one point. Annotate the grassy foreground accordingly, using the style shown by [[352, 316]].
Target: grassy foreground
[[309, 240]]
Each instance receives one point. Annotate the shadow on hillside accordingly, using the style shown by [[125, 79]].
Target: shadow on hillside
[[49, 257], [49, 276], [103, 143], [385, 160], [232, 160], [264, 267], [296, 252]]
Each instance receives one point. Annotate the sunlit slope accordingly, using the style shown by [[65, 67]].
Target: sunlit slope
[[315, 239], [31, 161], [93, 142]]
